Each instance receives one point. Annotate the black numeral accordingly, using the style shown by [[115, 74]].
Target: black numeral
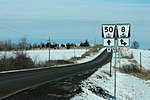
[[108, 29], [122, 29]]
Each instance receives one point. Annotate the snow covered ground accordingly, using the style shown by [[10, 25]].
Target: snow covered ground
[[62, 54], [145, 57], [43, 55], [128, 86]]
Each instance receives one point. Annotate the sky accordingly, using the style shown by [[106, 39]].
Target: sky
[[17, 16], [70, 9]]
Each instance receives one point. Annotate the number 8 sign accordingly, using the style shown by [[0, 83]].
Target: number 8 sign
[[123, 30]]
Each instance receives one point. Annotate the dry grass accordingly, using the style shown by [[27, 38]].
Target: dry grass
[[144, 74], [21, 61], [135, 70]]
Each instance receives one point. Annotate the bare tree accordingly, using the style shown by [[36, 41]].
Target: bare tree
[[22, 44], [6, 45], [135, 45]]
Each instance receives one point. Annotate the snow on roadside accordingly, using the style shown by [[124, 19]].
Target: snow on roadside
[[63, 54], [128, 86], [145, 57], [43, 55], [89, 58]]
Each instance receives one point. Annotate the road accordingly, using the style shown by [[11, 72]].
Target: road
[[11, 83]]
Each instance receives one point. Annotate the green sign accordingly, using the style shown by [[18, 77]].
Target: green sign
[[118, 57]]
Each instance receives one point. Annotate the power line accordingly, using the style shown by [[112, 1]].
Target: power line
[[17, 32], [3, 27]]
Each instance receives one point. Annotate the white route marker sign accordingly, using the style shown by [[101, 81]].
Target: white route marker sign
[[108, 30], [115, 35], [123, 42], [109, 42], [123, 30]]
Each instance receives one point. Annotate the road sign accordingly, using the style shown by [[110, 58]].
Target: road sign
[[108, 30], [118, 57], [116, 35], [109, 42], [123, 42], [108, 49], [123, 30]]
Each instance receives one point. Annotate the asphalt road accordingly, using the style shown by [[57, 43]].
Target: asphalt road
[[11, 83]]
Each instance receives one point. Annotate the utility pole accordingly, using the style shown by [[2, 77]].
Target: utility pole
[[74, 54]]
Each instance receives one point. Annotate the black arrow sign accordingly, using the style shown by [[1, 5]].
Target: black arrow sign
[[122, 42], [108, 42]]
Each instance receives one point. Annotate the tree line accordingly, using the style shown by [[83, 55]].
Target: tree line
[[7, 45]]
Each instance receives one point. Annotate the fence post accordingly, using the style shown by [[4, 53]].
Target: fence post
[[110, 67], [140, 61]]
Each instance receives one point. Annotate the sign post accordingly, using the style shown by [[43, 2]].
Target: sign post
[[115, 70], [115, 35]]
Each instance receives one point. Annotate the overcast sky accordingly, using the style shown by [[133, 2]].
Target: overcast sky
[[107, 11], [76, 9]]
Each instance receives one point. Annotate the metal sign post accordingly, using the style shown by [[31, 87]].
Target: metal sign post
[[115, 69], [115, 35]]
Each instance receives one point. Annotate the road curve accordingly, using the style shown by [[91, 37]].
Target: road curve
[[11, 83]]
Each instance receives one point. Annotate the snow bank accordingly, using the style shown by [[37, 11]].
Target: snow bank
[[100, 86], [128, 87]]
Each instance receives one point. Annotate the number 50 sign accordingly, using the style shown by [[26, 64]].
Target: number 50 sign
[[108, 30]]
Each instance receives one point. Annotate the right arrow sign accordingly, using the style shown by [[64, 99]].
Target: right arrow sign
[[123, 42]]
